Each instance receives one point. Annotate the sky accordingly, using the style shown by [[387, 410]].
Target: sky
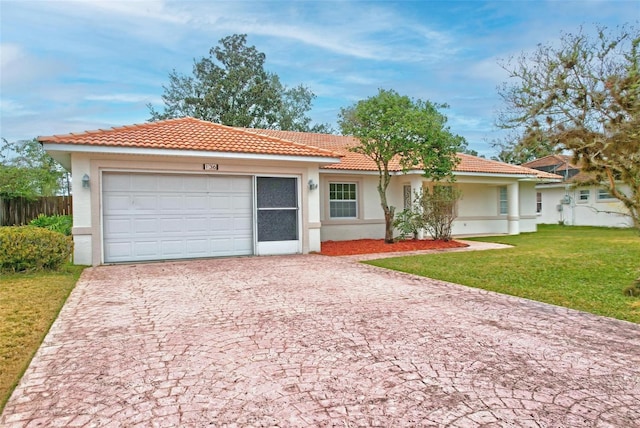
[[71, 66]]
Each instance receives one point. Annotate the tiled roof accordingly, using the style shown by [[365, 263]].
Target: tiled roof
[[336, 143], [582, 177], [189, 134], [561, 161], [359, 162], [561, 165], [470, 163]]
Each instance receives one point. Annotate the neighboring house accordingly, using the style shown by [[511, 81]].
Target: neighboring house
[[187, 188], [575, 201]]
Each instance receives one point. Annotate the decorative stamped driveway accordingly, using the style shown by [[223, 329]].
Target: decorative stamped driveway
[[318, 341]]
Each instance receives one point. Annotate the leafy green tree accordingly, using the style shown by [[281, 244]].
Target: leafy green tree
[[583, 96], [27, 171], [232, 87], [391, 126]]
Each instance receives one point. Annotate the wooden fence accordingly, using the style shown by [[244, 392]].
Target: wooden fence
[[19, 211]]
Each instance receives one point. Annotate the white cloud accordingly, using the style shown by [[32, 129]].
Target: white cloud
[[125, 98], [363, 31], [487, 69], [131, 9], [11, 108], [18, 67]]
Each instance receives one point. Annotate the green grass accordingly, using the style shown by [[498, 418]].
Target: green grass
[[584, 268], [29, 303]]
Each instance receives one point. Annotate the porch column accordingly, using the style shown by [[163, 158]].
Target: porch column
[[513, 213], [416, 188]]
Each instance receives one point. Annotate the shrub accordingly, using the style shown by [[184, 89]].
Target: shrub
[[57, 223], [408, 223], [29, 248]]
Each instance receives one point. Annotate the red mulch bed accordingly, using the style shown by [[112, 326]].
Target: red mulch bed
[[367, 246]]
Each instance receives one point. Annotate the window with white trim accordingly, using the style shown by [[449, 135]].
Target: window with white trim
[[583, 196], [343, 200], [503, 200], [604, 194], [538, 202]]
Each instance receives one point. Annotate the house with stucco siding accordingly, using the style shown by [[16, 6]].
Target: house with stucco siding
[[187, 188], [576, 200]]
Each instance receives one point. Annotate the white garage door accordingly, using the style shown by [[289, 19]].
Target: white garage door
[[164, 216]]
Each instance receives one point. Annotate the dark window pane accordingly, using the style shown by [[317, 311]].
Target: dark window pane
[[342, 209], [277, 192], [277, 225]]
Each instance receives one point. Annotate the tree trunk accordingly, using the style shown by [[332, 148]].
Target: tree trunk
[[389, 213]]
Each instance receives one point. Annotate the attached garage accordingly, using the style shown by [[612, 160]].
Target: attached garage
[[186, 188], [173, 216]]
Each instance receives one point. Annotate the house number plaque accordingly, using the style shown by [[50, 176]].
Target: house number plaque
[[210, 166]]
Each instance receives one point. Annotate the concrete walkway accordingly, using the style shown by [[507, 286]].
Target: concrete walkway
[[319, 341]]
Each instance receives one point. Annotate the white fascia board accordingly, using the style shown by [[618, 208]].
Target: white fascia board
[[347, 171], [520, 177], [547, 185], [542, 180], [493, 174], [72, 148]]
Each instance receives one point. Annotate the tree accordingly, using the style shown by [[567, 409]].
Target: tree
[[27, 171], [437, 210], [432, 209], [232, 87], [583, 96], [390, 126]]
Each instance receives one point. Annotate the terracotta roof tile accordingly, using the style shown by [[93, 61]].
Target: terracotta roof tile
[[359, 162], [551, 160], [189, 134], [194, 134]]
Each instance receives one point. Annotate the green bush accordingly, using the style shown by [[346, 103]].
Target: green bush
[[29, 248], [57, 223]]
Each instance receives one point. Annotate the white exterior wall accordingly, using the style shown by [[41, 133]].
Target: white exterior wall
[[478, 208], [528, 217], [562, 204], [82, 210], [550, 202], [370, 220], [87, 216], [313, 210]]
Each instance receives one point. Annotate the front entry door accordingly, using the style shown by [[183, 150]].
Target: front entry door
[[278, 215]]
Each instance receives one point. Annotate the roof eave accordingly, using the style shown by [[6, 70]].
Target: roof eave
[[494, 174], [119, 150]]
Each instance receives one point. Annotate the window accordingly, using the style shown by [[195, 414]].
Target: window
[[406, 190], [604, 194], [538, 202], [504, 202], [583, 196], [343, 201]]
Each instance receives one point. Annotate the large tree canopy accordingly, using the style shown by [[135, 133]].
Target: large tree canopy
[[390, 125], [232, 87], [27, 171], [582, 96]]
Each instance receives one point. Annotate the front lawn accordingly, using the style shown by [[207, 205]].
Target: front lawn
[[29, 303], [584, 268]]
